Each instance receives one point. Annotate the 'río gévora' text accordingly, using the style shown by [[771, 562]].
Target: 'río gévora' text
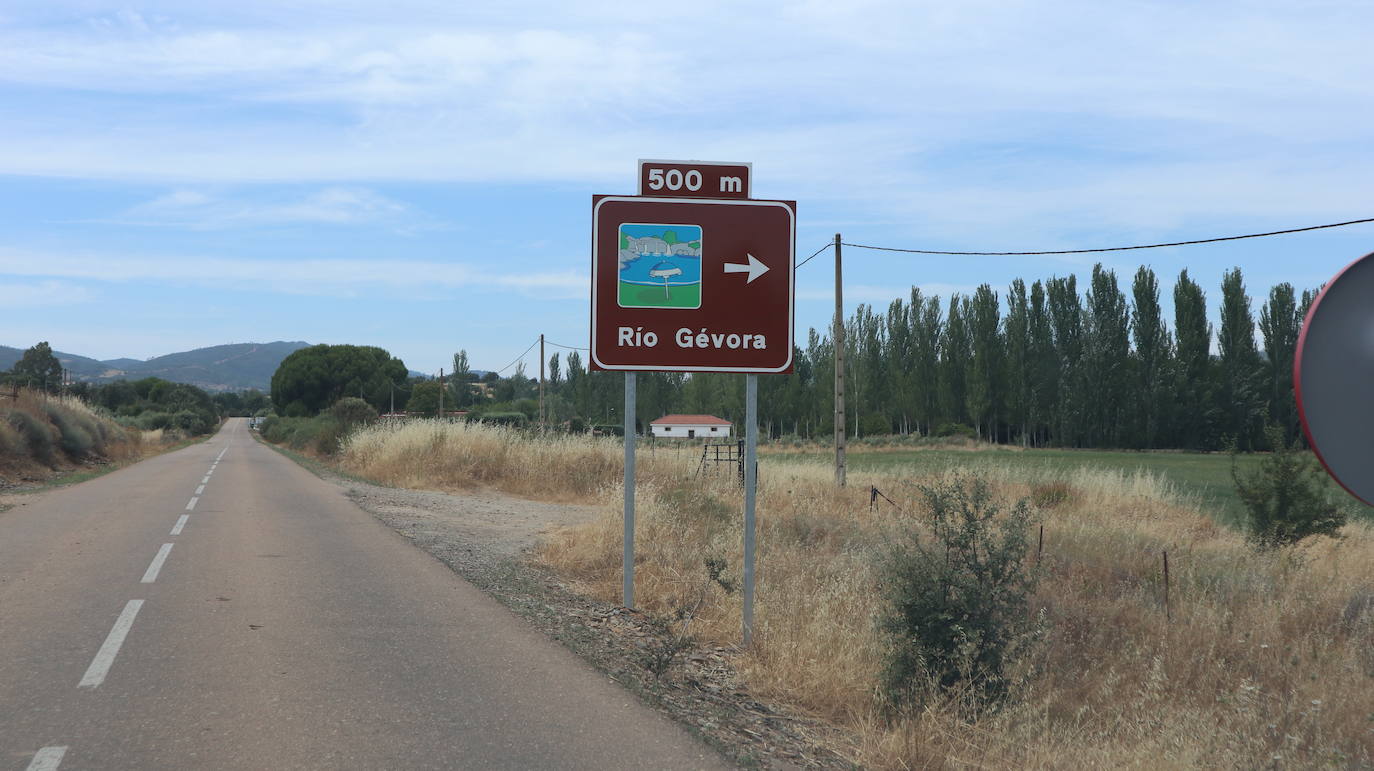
[[636, 337]]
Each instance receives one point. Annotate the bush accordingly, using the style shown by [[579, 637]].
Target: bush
[[192, 422], [154, 421], [872, 425], [352, 411], [38, 436], [956, 606], [78, 434], [518, 419], [319, 434], [1283, 498], [955, 429]]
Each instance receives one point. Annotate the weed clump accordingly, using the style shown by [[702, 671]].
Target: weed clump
[[957, 600]]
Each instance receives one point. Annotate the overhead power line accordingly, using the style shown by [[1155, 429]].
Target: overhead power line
[[518, 358], [828, 244], [1110, 248], [569, 347]]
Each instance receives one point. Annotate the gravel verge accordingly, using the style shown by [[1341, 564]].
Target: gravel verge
[[487, 538]]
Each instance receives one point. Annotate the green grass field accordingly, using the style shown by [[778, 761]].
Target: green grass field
[[641, 296], [1205, 476]]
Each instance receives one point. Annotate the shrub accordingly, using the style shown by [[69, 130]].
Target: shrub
[[352, 411], [505, 418], [871, 425], [955, 429], [1283, 498], [75, 430], [154, 421], [11, 443], [191, 421], [956, 606], [38, 436]]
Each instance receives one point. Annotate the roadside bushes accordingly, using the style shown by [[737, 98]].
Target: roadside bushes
[[38, 440], [47, 431], [319, 434]]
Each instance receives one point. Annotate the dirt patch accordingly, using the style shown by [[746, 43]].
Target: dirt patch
[[487, 537]]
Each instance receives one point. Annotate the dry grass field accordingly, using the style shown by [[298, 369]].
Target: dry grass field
[[1267, 659]]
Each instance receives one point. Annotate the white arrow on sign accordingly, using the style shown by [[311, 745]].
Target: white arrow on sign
[[754, 268]]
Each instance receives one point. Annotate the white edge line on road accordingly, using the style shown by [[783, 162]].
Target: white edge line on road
[[192, 505], [47, 759], [181, 522], [156, 565], [104, 658], [200, 489]]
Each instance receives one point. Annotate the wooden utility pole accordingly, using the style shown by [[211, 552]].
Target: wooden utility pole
[[543, 416], [441, 393], [839, 368]]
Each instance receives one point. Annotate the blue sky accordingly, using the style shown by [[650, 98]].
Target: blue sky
[[418, 176]]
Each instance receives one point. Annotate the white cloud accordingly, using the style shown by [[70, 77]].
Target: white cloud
[[43, 294], [336, 277], [331, 205]]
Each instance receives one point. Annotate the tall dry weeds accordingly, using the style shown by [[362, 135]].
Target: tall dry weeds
[[1268, 660]]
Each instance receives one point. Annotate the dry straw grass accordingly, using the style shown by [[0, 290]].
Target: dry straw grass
[[1268, 660]]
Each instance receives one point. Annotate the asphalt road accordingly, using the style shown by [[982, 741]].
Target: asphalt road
[[220, 607]]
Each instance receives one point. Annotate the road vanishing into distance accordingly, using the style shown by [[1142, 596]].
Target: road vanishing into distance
[[221, 607]]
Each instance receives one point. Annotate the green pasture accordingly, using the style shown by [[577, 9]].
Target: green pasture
[[1205, 477]]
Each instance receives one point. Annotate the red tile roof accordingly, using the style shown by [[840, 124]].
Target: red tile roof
[[691, 420]]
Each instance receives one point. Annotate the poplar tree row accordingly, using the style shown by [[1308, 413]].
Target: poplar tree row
[[1041, 365]]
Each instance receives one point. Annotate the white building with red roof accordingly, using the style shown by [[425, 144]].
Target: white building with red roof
[[691, 427]]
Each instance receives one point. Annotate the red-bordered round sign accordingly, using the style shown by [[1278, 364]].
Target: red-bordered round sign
[[1333, 378]]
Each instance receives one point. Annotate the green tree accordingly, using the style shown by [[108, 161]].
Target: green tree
[[954, 357], [424, 399], [1280, 324], [1242, 394], [926, 325], [1044, 365], [311, 379], [38, 367], [1066, 324], [1018, 339], [984, 379], [1106, 357], [1195, 414], [1152, 345]]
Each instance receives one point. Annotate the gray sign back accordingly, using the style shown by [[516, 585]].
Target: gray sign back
[[1333, 377]]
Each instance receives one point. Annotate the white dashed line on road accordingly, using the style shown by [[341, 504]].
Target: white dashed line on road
[[47, 759], [181, 522], [206, 479], [192, 505], [200, 489], [104, 658], [156, 565]]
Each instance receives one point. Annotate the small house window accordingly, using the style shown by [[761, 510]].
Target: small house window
[[713, 429]]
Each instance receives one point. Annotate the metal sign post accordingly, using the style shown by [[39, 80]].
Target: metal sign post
[[751, 440], [628, 567]]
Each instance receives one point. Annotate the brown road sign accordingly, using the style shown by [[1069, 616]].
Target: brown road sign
[[692, 285]]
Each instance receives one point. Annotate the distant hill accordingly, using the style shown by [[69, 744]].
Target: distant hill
[[231, 367]]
